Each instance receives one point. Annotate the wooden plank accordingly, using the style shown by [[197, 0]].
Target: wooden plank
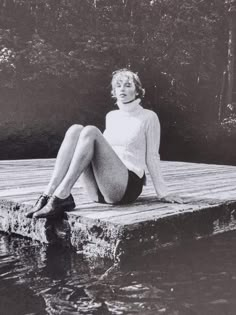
[[185, 185]]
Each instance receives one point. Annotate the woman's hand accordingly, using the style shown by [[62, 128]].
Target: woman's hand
[[171, 198]]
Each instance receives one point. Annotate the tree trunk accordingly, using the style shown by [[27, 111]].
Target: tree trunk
[[231, 52]]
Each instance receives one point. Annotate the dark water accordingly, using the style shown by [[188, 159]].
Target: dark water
[[196, 278]]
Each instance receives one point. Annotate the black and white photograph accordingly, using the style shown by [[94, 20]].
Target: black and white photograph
[[117, 157]]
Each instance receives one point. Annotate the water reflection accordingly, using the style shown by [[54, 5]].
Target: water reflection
[[195, 278]]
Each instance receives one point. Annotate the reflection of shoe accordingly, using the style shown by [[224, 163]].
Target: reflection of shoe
[[40, 203], [55, 207]]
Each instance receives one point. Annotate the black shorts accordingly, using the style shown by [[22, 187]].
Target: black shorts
[[133, 189]]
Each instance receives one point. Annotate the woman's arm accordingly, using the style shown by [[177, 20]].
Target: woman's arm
[[153, 157], [107, 123]]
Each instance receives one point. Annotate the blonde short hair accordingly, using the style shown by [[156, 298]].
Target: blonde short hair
[[126, 73]]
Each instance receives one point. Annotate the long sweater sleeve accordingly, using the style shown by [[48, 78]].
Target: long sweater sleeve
[[153, 157]]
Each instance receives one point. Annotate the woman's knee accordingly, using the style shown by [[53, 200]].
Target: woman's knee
[[89, 132], [74, 130]]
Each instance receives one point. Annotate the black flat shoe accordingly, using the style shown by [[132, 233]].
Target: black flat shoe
[[40, 203], [55, 207]]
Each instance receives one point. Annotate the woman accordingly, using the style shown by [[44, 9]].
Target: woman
[[112, 163]]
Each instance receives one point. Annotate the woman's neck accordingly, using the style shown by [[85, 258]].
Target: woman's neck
[[129, 106]]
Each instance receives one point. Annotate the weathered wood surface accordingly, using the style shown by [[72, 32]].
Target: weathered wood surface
[[209, 193]]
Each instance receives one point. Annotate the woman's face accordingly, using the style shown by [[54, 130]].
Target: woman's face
[[125, 90]]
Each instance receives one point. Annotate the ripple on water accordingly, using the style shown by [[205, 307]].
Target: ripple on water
[[195, 278]]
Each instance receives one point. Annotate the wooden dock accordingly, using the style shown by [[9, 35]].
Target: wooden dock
[[209, 193]]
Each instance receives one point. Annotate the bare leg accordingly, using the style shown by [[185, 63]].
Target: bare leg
[[63, 161], [110, 173], [64, 157], [89, 182]]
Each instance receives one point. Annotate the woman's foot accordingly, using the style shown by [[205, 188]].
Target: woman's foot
[[40, 203], [55, 207]]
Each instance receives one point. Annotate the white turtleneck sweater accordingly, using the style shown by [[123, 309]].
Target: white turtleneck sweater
[[134, 134]]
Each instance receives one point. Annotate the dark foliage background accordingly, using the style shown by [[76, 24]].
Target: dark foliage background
[[57, 56]]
